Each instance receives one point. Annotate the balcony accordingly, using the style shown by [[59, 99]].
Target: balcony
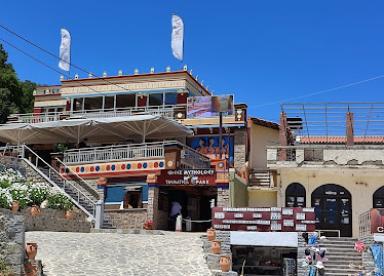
[[260, 179], [168, 111], [325, 155], [174, 151]]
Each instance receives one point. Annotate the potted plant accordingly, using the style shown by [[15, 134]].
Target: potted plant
[[5, 198], [61, 202], [148, 225], [20, 196], [37, 195]]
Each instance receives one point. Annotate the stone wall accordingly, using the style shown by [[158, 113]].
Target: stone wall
[[127, 218], [54, 221], [240, 153], [12, 240]]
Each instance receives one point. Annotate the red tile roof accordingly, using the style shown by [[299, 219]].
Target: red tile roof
[[341, 140]]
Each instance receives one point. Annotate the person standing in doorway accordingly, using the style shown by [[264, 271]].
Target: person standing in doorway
[[175, 211]]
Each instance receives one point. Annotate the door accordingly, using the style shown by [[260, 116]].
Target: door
[[333, 209]]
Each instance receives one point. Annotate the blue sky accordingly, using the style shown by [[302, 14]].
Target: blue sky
[[263, 51]]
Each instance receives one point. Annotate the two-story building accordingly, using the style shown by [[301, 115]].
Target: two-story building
[[151, 139], [331, 158]]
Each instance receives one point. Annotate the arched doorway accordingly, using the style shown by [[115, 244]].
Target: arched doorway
[[295, 195], [333, 209], [378, 198]]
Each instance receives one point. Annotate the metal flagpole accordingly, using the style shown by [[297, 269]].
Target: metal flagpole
[[221, 134]]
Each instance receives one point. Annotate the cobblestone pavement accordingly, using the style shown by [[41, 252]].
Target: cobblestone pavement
[[120, 254]]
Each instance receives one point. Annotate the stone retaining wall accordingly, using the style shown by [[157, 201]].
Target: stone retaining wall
[[54, 221], [12, 241], [127, 218]]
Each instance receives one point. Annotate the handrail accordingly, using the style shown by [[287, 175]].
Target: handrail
[[89, 190], [51, 169]]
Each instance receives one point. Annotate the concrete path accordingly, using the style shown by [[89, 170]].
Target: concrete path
[[114, 254]]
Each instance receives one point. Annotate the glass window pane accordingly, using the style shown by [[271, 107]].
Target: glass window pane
[[93, 103], [77, 104], [171, 98], [109, 102], [126, 100], [155, 99]]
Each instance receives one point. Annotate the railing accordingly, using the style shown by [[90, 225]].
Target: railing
[[57, 180], [326, 154], [189, 157], [167, 111], [260, 178]]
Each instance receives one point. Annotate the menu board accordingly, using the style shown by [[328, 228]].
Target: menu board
[[284, 219]]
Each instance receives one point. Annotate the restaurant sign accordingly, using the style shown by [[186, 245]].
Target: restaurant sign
[[188, 177]]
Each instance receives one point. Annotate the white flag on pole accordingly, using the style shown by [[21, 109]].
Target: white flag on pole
[[65, 50], [177, 43]]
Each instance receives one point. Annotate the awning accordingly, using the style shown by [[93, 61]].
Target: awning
[[94, 130], [282, 239]]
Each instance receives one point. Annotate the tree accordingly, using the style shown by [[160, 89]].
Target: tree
[[15, 96]]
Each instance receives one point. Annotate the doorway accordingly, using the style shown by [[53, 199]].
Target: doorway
[[333, 210]]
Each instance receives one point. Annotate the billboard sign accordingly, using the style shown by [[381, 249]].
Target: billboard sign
[[187, 177], [209, 106]]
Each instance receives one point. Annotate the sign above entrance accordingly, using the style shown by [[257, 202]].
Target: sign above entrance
[[264, 219], [187, 177]]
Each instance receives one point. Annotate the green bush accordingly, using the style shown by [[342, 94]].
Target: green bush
[[5, 198], [38, 194], [59, 201]]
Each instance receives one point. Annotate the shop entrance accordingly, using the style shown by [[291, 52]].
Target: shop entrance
[[264, 260], [333, 209], [194, 203]]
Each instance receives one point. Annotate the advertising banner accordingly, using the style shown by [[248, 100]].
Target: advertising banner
[[209, 106], [187, 177]]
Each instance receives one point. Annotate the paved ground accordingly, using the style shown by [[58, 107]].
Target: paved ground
[[107, 254]]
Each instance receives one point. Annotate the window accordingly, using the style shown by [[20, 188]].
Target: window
[[378, 198], [93, 103], [170, 98], [155, 99], [77, 104], [109, 102], [295, 195], [127, 100]]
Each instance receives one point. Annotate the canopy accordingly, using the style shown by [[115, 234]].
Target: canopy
[[93, 130]]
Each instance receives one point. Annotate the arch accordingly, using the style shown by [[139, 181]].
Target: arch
[[295, 195], [333, 209], [378, 198]]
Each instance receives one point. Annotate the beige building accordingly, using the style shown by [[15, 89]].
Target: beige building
[[340, 174]]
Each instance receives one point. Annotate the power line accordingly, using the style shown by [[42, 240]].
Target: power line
[[324, 91], [57, 57], [41, 62]]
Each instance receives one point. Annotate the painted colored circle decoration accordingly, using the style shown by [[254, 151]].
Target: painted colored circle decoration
[[82, 169], [123, 166], [113, 167], [139, 165], [77, 169], [97, 168], [156, 164], [161, 164], [108, 167], [145, 165], [92, 169], [128, 166]]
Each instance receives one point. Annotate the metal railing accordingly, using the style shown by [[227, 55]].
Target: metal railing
[[189, 157], [167, 111], [334, 154], [71, 188]]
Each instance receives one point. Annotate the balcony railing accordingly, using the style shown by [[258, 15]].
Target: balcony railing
[[189, 157], [167, 111], [326, 155]]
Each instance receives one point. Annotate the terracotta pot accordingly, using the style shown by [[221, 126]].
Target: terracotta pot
[[30, 269], [31, 250], [211, 234], [69, 214], [225, 263], [15, 207], [35, 211], [216, 247]]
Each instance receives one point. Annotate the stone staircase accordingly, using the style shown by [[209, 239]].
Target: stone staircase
[[341, 255], [260, 178]]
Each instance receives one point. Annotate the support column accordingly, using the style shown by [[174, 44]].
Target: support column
[[349, 129], [99, 214], [283, 139], [153, 204]]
